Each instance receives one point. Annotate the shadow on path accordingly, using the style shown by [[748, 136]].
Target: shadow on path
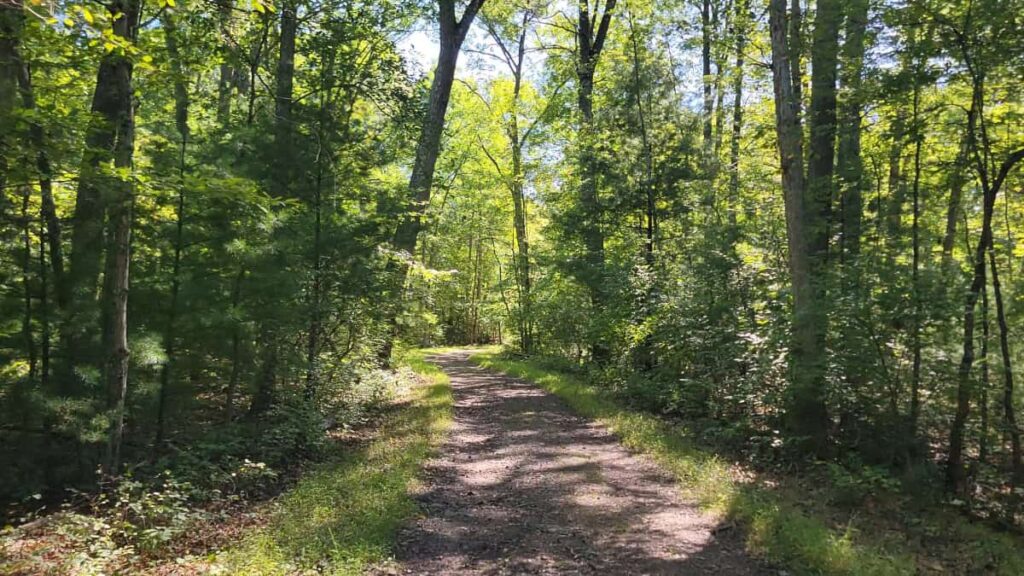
[[525, 486]]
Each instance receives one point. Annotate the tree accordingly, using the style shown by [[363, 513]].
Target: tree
[[590, 42], [452, 33]]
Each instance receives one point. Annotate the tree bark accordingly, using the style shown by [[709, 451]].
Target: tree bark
[[114, 91], [915, 288], [740, 23], [849, 164], [26, 284], [109, 139], [1009, 412], [806, 412], [822, 128]]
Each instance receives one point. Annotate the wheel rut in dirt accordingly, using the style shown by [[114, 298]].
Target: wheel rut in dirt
[[523, 485]]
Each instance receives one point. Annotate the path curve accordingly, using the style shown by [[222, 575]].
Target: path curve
[[525, 486]]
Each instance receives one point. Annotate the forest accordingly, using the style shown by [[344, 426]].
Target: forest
[[787, 227]]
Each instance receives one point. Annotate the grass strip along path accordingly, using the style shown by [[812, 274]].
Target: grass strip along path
[[342, 517], [777, 526]]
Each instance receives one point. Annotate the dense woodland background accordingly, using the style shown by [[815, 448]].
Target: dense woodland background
[[793, 225]]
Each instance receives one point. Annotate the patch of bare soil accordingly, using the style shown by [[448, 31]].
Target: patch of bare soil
[[525, 486]]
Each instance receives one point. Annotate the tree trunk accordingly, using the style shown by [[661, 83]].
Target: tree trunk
[[236, 346], [26, 283], [44, 310], [590, 43], [227, 73], [915, 289], [822, 131], [807, 416], [48, 207], [11, 21], [109, 138], [181, 104], [114, 92], [741, 20], [285, 78], [850, 166], [984, 381], [1009, 412], [990, 185], [428, 147], [315, 312], [707, 111], [957, 181]]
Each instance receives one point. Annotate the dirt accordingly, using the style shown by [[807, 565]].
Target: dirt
[[525, 486]]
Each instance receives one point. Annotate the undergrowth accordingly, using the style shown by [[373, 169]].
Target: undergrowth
[[342, 517], [779, 529]]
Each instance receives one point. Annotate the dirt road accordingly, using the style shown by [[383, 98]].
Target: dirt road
[[525, 486]]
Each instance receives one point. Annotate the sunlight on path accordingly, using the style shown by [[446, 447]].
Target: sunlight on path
[[524, 486]]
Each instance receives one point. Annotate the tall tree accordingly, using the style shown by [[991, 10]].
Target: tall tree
[[589, 44], [806, 209], [453, 32], [741, 28], [114, 93], [849, 164], [172, 43], [513, 54]]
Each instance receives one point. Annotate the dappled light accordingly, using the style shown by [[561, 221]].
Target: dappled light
[[399, 287]]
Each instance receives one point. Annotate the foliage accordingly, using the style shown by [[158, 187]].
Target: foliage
[[342, 517]]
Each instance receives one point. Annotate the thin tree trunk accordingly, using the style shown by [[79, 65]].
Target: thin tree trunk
[[313, 343], [236, 345], [227, 73], [118, 107], [44, 309], [957, 181], [741, 20], [181, 104], [26, 282], [1009, 412], [707, 112], [897, 190], [990, 185], [47, 207], [984, 381], [915, 379]]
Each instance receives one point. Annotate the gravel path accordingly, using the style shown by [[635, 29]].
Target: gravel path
[[525, 486]]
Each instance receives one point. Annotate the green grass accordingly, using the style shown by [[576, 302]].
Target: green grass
[[342, 517], [777, 530]]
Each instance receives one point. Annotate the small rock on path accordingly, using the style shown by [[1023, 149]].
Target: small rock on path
[[523, 485]]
